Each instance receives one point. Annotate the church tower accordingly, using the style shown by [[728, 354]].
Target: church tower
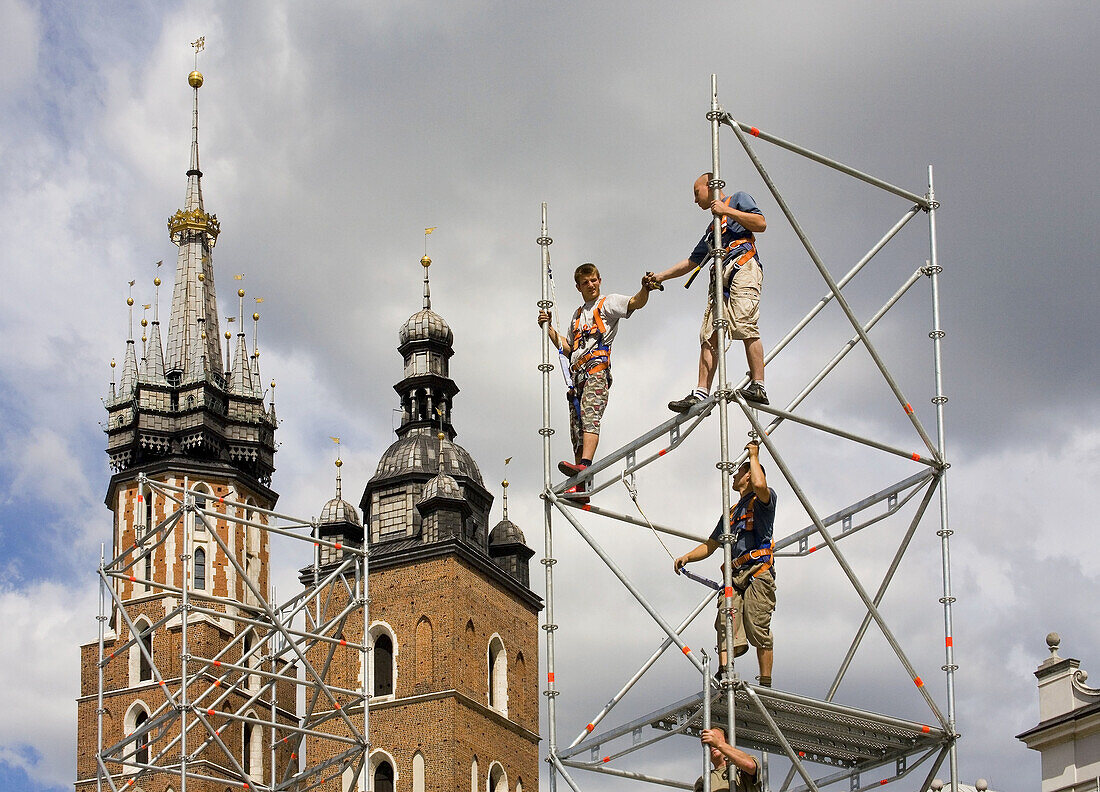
[[453, 631], [188, 432]]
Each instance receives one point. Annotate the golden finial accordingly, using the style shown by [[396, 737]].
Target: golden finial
[[112, 362], [339, 462], [255, 317], [202, 276], [426, 261], [240, 292], [194, 79], [144, 322], [273, 383], [130, 301], [228, 335], [156, 281], [441, 435], [203, 335]]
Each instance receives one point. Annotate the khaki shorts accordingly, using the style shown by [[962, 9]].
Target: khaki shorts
[[757, 603], [742, 306]]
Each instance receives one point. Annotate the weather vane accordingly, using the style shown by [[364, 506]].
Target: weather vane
[[199, 45]]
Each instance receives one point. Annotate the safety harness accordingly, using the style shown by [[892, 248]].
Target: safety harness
[[738, 253], [761, 555], [599, 357]]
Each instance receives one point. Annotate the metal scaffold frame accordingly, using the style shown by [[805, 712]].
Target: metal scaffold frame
[[847, 740], [198, 705]]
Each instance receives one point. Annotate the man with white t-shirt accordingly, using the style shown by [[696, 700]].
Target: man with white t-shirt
[[587, 341]]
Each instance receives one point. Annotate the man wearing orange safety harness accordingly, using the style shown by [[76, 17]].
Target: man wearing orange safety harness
[[588, 344], [742, 281], [751, 522]]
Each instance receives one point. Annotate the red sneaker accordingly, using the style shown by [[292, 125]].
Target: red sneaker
[[570, 469], [577, 494]]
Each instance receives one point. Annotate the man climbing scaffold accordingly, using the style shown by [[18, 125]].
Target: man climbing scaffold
[[587, 342], [751, 522]]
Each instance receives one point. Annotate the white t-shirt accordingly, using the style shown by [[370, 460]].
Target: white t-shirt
[[614, 308]]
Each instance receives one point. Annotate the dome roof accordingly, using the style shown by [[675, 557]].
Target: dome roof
[[442, 486], [506, 532], [418, 452], [425, 325], [338, 510]]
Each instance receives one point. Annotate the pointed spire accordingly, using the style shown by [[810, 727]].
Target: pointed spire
[[504, 486], [240, 380], [153, 371], [257, 383], [339, 487], [426, 262], [193, 199]]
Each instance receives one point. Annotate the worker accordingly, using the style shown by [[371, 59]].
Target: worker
[[742, 280], [725, 761], [750, 521], [587, 342]]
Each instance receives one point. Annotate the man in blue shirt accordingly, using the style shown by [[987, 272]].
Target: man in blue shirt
[[751, 522], [742, 280]]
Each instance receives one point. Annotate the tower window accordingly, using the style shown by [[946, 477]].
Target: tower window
[[145, 666], [383, 666], [141, 743], [498, 675], [383, 777], [418, 772], [200, 568], [498, 779]]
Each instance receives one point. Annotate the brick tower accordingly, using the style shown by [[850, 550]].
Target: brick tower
[[453, 631], [183, 418]]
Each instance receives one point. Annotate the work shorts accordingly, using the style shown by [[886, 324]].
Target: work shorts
[[742, 306], [593, 395], [752, 622]]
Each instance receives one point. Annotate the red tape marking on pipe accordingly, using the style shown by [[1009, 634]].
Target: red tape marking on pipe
[[140, 498], [801, 754], [337, 705], [884, 781], [916, 457], [339, 546], [662, 452], [918, 682], [908, 409], [589, 728], [687, 649], [754, 132], [606, 759], [294, 756], [949, 641], [343, 642], [728, 591], [210, 712], [217, 663], [550, 677], [811, 549], [925, 729], [586, 507]]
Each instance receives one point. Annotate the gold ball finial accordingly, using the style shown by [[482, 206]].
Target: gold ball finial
[[255, 317], [203, 335], [273, 383], [228, 335], [240, 292], [339, 463], [202, 276], [426, 262], [441, 435], [144, 322], [130, 301], [112, 362], [156, 281], [194, 79], [504, 483]]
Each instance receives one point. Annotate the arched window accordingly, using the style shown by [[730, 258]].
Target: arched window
[[498, 675], [144, 658], [519, 785], [498, 779], [418, 772], [200, 568], [473, 775], [141, 743], [383, 665], [252, 749], [425, 662], [202, 491], [147, 499], [147, 569], [383, 777], [249, 659]]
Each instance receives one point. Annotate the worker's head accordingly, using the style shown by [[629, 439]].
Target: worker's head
[[717, 758], [702, 191], [741, 477], [588, 280]]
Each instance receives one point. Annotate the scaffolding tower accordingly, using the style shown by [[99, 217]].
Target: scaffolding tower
[[847, 741], [280, 651]]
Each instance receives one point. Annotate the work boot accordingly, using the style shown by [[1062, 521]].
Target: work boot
[[577, 494], [754, 392], [684, 404], [570, 468]]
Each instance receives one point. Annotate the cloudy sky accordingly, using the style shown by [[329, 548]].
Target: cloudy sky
[[333, 133]]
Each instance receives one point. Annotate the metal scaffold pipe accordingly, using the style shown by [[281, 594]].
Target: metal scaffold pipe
[[546, 304], [939, 400], [721, 326]]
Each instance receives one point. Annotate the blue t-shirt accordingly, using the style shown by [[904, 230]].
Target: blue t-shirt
[[731, 229], [763, 521]]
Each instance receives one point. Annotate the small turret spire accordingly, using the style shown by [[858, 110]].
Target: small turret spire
[[339, 464], [504, 486]]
